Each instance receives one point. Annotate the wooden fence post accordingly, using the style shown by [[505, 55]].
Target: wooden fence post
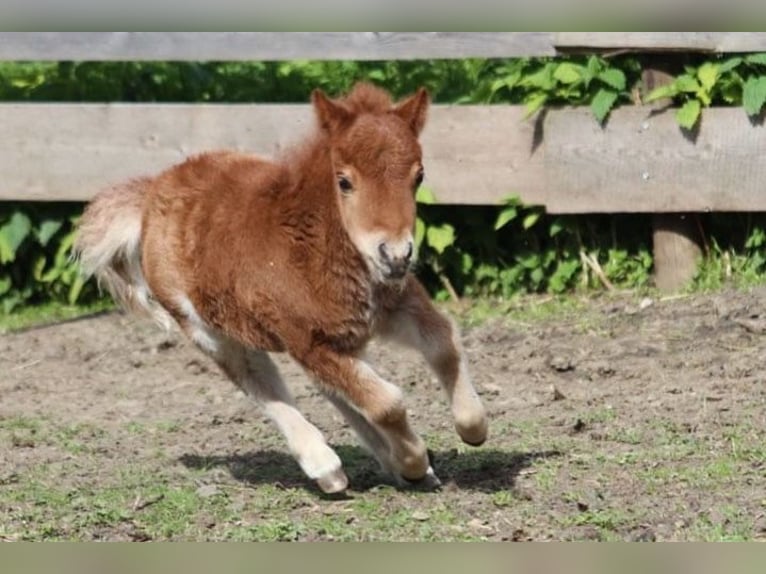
[[675, 236]]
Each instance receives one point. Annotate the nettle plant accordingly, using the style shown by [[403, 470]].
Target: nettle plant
[[594, 81], [738, 81], [35, 262]]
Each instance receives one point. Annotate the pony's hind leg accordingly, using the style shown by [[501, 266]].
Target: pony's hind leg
[[256, 374], [373, 439], [418, 324], [382, 416]]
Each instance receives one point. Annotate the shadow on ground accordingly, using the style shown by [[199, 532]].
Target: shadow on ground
[[480, 470]]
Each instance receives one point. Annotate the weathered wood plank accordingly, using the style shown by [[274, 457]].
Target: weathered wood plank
[[658, 41], [473, 154], [206, 46], [644, 163], [233, 46]]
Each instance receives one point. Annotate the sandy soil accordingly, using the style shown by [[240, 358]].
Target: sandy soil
[[618, 419]]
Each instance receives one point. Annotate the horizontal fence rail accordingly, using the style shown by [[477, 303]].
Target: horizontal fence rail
[[69, 151], [231, 46], [640, 161]]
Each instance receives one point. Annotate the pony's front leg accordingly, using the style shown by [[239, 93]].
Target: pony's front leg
[[255, 373], [376, 410], [416, 323]]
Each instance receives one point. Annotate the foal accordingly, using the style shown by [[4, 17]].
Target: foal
[[309, 254]]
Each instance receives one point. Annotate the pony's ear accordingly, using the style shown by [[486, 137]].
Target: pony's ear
[[414, 109], [332, 115]]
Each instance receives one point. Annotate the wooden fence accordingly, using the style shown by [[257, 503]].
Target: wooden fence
[[639, 162]]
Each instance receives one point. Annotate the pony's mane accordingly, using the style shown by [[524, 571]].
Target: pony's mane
[[367, 98], [364, 98]]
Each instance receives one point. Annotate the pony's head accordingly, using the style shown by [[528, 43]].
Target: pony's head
[[377, 165]]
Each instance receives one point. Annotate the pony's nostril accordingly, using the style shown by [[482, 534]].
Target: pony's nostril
[[408, 255], [383, 250]]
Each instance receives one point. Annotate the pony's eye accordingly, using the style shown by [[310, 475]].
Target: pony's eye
[[344, 184], [419, 179]]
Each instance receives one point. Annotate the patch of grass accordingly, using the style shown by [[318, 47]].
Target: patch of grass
[[135, 427], [503, 498], [728, 524], [545, 475], [21, 431], [607, 521], [522, 309], [25, 317], [600, 415], [20, 422], [76, 438], [29, 432], [631, 435], [168, 426]]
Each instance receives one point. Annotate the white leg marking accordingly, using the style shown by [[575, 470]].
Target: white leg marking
[[205, 337], [258, 376]]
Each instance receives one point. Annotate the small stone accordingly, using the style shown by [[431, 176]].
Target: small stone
[[562, 364], [557, 394], [420, 516], [645, 303], [207, 490], [477, 524]]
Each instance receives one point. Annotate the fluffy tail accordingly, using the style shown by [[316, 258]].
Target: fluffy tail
[[108, 246]]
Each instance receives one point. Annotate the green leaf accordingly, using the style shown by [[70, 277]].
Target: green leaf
[[708, 74], [5, 285], [730, 89], [614, 78], [688, 114], [12, 235], [10, 302], [754, 95], [76, 289], [377, 74], [687, 83], [667, 91], [542, 79], [48, 229], [568, 73], [530, 219], [51, 275], [425, 196], [759, 59], [439, 237], [508, 81], [602, 103], [466, 263], [595, 65], [37, 269], [729, 65], [556, 228], [507, 215], [534, 103]]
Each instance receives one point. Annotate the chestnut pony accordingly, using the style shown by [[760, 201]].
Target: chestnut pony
[[309, 254]]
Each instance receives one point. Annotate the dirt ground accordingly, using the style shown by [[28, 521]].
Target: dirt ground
[[611, 418]]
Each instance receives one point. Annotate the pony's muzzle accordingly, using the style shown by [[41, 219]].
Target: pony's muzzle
[[395, 258]]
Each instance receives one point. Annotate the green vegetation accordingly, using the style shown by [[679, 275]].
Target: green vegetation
[[467, 251], [739, 81]]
